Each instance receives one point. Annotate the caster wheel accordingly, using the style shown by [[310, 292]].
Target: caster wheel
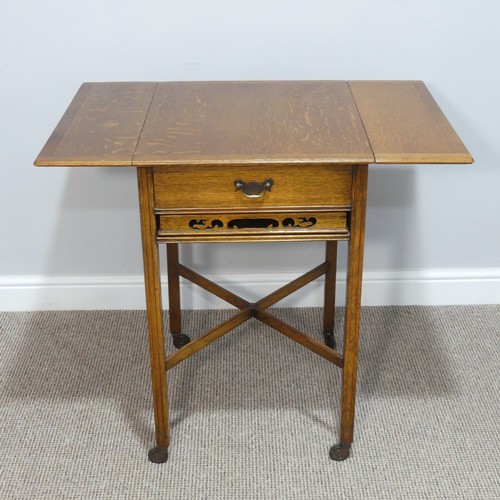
[[158, 455], [340, 451], [330, 340], [180, 339]]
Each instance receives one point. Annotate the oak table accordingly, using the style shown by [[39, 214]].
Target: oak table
[[252, 161]]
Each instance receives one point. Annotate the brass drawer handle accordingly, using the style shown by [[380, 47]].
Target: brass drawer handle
[[253, 189]]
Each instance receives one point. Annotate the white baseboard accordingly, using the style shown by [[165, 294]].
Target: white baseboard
[[380, 288]]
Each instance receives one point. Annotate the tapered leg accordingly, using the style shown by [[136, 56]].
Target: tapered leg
[[353, 305], [154, 315], [174, 299], [330, 281]]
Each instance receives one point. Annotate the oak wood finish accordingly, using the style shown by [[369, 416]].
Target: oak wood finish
[[174, 297], [264, 302], [154, 306], [248, 236], [191, 141], [191, 187], [213, 123], [247, 123], [330, 282], [299, 337], [223, 227], [101, 126], [249, 310], [405, 125], [353, 302], [286, 290], [207, 338], [213, 288]]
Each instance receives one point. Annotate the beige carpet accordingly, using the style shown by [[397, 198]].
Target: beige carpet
[[254, 415]]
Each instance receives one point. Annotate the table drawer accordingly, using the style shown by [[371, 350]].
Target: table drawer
[[260, 225], [211, 188]]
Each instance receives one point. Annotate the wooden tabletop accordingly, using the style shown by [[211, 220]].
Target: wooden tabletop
[[287, 122]]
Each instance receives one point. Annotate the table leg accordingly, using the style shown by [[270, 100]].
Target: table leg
[[341, 450], [174, 299], [330, 282], [154, 310]]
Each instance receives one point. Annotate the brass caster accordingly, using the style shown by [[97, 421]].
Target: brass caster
[[330, 340], [158, 454], [180, 339], [340, 451]]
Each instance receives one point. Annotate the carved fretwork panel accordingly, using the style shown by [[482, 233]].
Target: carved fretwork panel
[[228, 226]]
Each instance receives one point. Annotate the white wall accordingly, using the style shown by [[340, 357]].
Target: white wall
[[70, 237]]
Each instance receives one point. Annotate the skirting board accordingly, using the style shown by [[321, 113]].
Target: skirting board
[[429, 287]]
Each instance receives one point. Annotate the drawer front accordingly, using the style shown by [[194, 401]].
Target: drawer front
[[186, 188], [305, 225]]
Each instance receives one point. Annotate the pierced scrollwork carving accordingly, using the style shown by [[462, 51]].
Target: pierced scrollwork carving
[[202, 224], [252, 223], [303, 222]]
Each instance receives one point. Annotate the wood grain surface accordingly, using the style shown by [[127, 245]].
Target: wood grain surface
[[405, 125], [188, 187], [101, 126], [154, 308], [353, 302], [246, 123], [252, 122], [223, 227]]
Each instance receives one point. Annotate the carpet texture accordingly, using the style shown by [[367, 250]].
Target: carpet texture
[[253, 415]]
